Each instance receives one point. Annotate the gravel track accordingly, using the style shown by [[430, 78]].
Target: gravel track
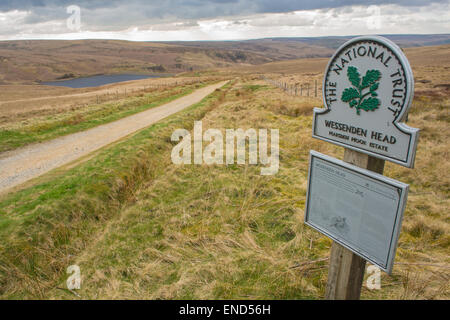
[[21, 165]]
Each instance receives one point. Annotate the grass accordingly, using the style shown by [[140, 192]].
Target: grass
[[140, 227], [204, 232], [47, 128], [225, 232], [43, 227]]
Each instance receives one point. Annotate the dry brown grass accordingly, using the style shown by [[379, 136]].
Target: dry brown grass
[[37, 101], [298, 66], [431, 69], [43, 60], [67, 209], [228, 232]]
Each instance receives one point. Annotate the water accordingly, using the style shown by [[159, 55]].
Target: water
[[96, 81]]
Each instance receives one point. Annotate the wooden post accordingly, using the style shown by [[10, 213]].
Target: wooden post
[[315, 88], [346, 270]]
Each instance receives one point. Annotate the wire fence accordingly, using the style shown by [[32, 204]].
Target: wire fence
[[114, 94], [302, 90]]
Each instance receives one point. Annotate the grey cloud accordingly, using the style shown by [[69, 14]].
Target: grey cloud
[[115, 14], [203, 8]]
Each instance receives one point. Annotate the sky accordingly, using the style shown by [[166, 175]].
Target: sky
[[168, 20]]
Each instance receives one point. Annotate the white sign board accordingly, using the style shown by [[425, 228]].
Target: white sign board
[[357, 208], [367, 91]]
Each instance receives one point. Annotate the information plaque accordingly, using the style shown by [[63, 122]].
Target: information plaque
[[357, 208]]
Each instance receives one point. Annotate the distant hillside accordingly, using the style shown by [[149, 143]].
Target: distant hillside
[[422, 59], [29, 61], [307, 47], [32, 61], [273, 49], [403, 40]]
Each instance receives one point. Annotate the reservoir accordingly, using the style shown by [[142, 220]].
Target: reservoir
[[98, 80]]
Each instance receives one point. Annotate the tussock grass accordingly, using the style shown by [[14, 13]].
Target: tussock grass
[[45, 128], [197, 231], [227, 232], [44, 227], [211, 231], [293, 107]]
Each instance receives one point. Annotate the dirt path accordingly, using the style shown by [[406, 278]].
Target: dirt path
[[20, 165]]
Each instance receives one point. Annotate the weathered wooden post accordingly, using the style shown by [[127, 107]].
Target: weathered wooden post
[[367, 91], [346, 269], [315, 88]]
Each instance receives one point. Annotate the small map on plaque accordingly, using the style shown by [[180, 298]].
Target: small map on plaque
[[357, 208]]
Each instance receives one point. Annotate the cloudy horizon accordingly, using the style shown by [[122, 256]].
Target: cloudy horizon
[[172, 20]]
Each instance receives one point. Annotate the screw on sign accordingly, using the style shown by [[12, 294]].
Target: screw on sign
[[367, 91]]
